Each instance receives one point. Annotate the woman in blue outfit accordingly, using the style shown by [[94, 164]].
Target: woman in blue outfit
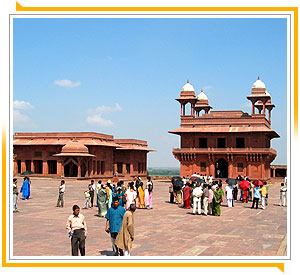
[[25, 190]]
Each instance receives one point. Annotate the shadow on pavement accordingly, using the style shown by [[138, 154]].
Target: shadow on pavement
[[106, 253], [170, 202]]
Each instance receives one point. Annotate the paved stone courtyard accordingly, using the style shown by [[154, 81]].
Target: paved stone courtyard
[[166, 230]]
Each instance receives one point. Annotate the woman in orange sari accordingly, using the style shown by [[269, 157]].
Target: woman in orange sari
[[141, 195]]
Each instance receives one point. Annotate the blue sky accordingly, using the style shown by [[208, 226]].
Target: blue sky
[[121, 76]]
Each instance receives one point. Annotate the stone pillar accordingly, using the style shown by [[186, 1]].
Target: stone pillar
[[253, 109], [79, 168], [270, 116], [15, 169], [115, 167], [131, 169], [59, 169], [264, 108], [248, 169], [211, 169], [181, 109], [192, 110], [45, 167], [23, 166], [230, 170], [262, 170], [124, 169]]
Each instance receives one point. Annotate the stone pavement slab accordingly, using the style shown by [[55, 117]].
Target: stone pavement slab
[[166, 230]]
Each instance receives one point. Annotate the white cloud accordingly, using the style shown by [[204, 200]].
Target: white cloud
[[96, 115], [98, 120], [21, 120], [205, 88], [106, 109], [66, 83], [22, 105]]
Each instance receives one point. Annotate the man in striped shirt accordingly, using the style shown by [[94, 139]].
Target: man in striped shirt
[[77, 230]]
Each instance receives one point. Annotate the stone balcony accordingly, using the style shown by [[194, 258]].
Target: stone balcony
[[229, 150]]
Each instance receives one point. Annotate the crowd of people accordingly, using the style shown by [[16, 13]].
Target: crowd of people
[[132, 192], [204, 194], [115, 202], [118, 201]]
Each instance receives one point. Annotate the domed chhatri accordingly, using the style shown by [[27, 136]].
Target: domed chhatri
[[202, 96], [260, 98], [188, 87], [258, 84], [202, 104], [74, 147]]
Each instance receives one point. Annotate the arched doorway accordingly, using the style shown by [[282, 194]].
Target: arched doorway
[[221, 168], [71, 169]]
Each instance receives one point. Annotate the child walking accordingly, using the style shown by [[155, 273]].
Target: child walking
[[87, 199]]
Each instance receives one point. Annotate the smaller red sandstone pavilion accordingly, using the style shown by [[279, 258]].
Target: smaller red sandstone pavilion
[[79, 155], [225, 143]]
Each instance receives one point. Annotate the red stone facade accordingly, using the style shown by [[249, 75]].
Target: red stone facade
[[225, 144], [79, 155]]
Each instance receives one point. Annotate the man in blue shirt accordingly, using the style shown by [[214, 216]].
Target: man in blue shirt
[[114, 218]]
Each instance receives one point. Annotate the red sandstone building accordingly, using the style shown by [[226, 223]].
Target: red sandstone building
[[79, 155], [225, 144]]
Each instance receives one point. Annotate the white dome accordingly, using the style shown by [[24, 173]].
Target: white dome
[[202, 96], [259, 84], [188, 88]]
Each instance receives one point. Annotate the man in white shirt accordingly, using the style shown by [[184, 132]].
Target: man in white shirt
[[61, 191], [210, 179], [229, 195], [77, 230], [197, 193]]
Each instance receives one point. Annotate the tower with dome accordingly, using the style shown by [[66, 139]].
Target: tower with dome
[[225, 144]]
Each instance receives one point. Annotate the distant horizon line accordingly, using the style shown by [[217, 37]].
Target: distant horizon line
[[172, 167]]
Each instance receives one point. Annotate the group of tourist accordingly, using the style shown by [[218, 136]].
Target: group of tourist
[[116, 203], [120, 225], [205, 195], [25, 190], [135, 193]]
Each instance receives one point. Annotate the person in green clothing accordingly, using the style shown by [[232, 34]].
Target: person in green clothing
[[218, 194], [102, 201]]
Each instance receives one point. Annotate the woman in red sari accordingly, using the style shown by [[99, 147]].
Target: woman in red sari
[[187, 196], [245, 196]]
